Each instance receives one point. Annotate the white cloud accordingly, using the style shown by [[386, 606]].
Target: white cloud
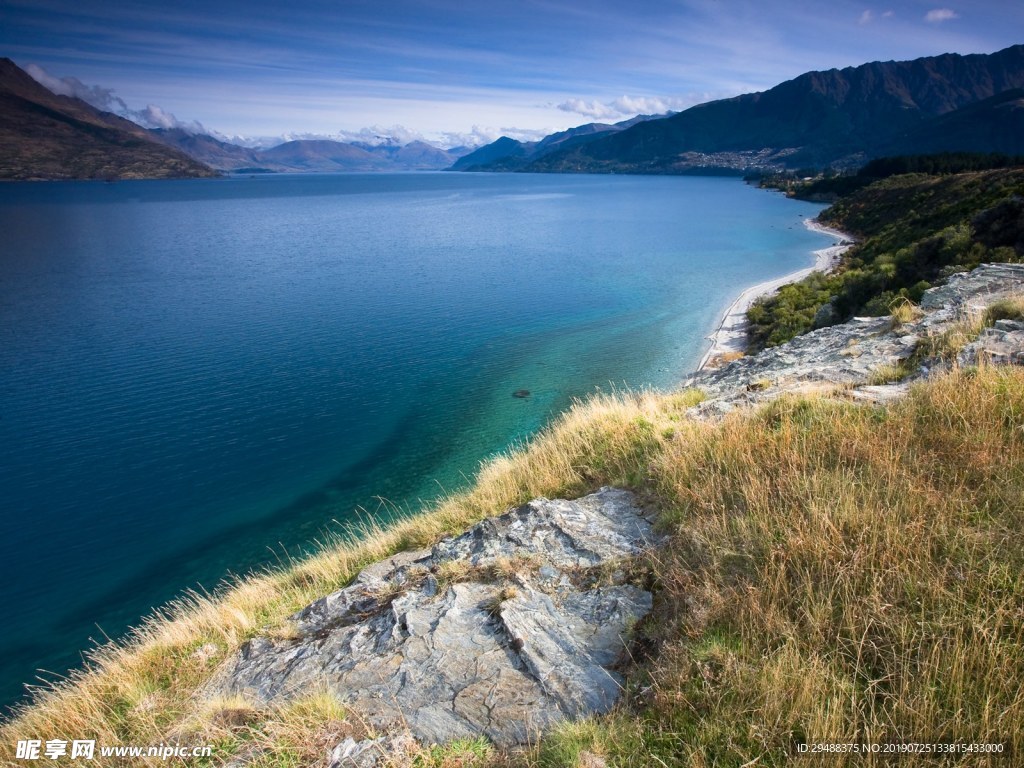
[[104, 99], [624, 106], [101, 98], [399, 135], [592, 109], [155, 117], [870, 16], [939, 15], [479, 135], [476, 136], [376, 135]]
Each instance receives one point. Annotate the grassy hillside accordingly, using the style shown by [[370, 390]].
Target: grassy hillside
[[947, 223], [833, 572]]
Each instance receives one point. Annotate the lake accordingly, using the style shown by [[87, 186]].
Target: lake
[[197, 377]]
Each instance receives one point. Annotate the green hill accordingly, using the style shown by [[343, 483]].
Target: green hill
[[913, 229]]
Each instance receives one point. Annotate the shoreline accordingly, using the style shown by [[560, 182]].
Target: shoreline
[[730, 338]]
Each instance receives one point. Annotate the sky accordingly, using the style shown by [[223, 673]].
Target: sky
[[460, 71]]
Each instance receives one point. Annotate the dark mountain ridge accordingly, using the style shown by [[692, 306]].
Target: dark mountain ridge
[[507, 154], [992, 125], [47, 136], [836, 117]]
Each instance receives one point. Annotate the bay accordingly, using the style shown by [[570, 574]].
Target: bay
[[198, 377]]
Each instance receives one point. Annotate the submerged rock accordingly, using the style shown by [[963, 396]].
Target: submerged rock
[[504, 656]]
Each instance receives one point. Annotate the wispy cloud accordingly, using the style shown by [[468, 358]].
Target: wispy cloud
[[939, 15], [97, 96], [105, 100], [869, 16]]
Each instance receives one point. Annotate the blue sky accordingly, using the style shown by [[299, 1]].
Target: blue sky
[[454, 71]]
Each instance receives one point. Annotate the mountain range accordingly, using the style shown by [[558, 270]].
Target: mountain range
[[44, 135], [305, 155], [837, 118]]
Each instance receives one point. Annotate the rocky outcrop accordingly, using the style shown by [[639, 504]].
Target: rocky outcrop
[[1002, 344], [851, 358], [502, 631]]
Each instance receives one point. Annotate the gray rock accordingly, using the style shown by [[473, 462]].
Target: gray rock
[[983, 285], [503, 659], [847, 358], [562, 533], [1008, 325], [356, 754], [995, 346], [826, 315], [371, 753]]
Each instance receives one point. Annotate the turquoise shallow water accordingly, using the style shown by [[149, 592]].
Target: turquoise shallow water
[[197, 377]]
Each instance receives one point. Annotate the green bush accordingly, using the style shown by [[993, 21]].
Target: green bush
[[914, 230]]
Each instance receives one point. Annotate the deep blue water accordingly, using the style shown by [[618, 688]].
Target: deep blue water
[[199, 376]]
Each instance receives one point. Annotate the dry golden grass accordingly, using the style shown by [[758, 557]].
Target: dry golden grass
[[903, 311], [834, 572], [1011, 308]]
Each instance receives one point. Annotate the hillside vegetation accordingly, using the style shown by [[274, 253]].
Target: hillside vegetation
[[914, 229]]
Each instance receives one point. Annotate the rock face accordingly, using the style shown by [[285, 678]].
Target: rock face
[[849, 357], [522, 636]]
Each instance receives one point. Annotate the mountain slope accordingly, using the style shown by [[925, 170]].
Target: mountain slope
[[507, 154], [505, 151], [840, 117], [992, 125], [206, 149], [322, 155], [414, 156], [46, 136]]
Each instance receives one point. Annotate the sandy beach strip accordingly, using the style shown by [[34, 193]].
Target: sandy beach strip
[[731, 337]]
